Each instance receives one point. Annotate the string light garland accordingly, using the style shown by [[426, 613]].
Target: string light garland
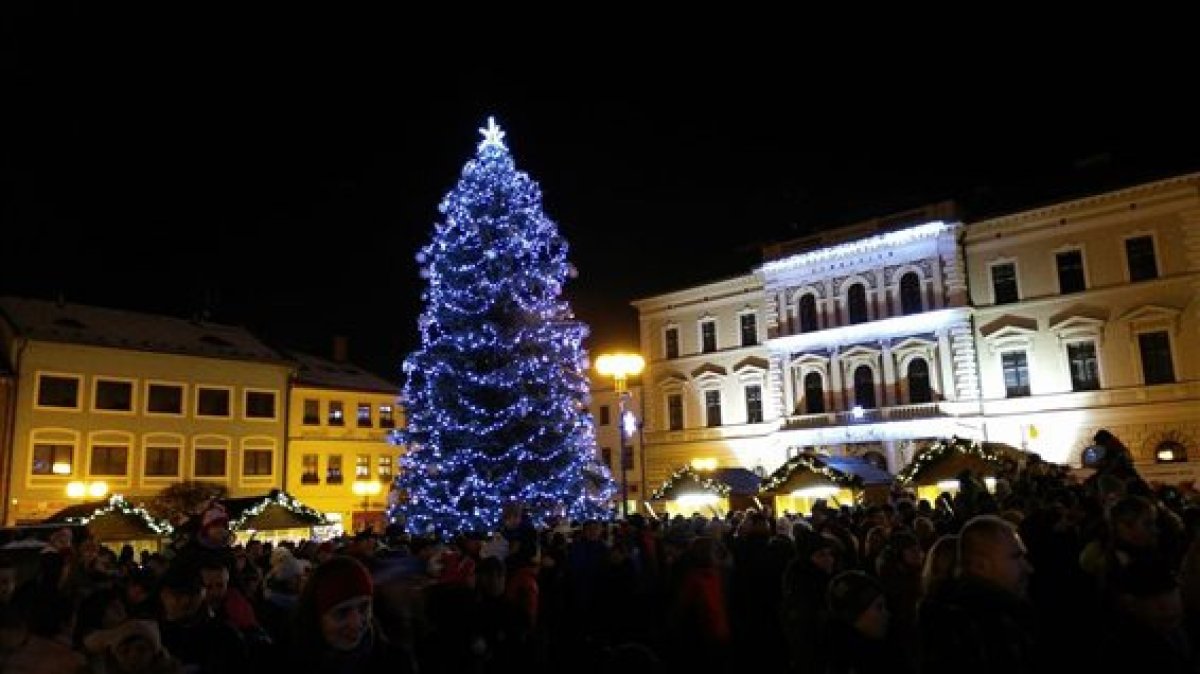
[[117, 505], [682, 477], [938, 451], [812, 464], [496, 394], [283, 500]]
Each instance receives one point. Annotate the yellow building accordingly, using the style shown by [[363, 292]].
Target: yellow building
[[114, 401], [8, 387], [340, 459]]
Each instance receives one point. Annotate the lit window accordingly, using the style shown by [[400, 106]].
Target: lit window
[[364, 415], [310, 465], [362, 466], [337, 414], [52, 459], [333, 469], [385, 467], [386, 420]]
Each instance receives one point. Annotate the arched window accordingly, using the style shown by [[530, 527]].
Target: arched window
[[814, 394], [856, 302], [808, 313], [864, 387], [918, 382], [910, 294]]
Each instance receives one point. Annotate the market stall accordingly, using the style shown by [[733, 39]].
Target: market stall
[[936, 467], [710, 492], [116, 522], [808, 477]]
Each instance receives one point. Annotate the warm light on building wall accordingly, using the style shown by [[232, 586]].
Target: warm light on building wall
[[61, 468], [696, 500], [366, 487], [704, 464], [81, 489], [620, 365]]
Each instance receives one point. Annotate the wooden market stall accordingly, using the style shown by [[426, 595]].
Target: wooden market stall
[[277, 516], [116, 522], [936, 467], [808, 477], [710, 492]]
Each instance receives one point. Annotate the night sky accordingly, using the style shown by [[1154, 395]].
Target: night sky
[[282, 177]]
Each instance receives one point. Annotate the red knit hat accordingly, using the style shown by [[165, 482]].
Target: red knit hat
[[339, 579]]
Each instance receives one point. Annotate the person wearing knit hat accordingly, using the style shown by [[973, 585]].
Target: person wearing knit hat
[[335, 625], [214, 527], [132, 646], [856, 599]]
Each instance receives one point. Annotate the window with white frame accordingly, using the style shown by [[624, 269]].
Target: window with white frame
[[754, 404], [210, 461], [161, 459], [258, 462], [212, 402], [712, 408], [814, 393], [386, 419], [1004, 283], [260, 404], [337, 413], [1158, 366], [1070, 271], [109, 459], [1015, 366], [808, 313], [58, 391], [671, 342], [675, 411], [364, 415], [53, 458], [708, 335], [1140, 257], [1084, 366], [384, 465], [910, 294], [856, 304], [112, 395], [749, 323], [164, 398]]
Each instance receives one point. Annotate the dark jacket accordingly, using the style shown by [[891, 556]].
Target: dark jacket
[[974, 626]]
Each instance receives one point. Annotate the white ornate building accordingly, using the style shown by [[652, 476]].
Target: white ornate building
[[1034, 329]]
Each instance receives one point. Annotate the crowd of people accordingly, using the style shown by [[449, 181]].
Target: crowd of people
[[1039, 572]]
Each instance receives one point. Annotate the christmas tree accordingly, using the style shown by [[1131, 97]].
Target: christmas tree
[[496, 394]]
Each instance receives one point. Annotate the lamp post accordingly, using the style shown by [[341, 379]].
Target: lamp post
[[620, 366], [79, 489]]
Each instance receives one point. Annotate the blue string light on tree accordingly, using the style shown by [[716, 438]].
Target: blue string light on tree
[[494, 395]]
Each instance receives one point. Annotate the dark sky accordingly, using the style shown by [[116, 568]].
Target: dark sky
[[284, 176]]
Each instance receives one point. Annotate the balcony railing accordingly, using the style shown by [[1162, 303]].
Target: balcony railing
[[871, 416]]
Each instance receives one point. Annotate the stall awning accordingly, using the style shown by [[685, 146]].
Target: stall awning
[[113, 519], [809, 470], [276, 510], [946, 459], [687, 480]]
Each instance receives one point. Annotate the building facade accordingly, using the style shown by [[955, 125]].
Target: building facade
[[341, 460], [618, 422], [1087, 316], [1033, 329], [119, 402]]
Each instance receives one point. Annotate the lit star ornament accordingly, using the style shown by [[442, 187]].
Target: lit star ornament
[[492, 135]]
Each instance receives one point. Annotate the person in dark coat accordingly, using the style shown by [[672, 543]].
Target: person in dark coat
[[858, 634], [335, 626], [985, 623], [804, 609]]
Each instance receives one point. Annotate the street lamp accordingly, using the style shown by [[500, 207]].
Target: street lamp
[[82, 489], [620, 366]]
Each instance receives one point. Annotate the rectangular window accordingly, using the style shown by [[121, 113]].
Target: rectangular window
[[333, 469], [109, 460], [754, 409], [162, 462], [1004, 283], [1070, 272], [310, 465], [712, 408], [364, 415], [362, 466], [675, 412], [1139, 252], [50, 459], [337, 414], [257, 462], [113, 396], [212, 402], [605, 415], [672, 337], [1085, 371], [708, 336], [749, 330], [1157, 366], [606, 456], [164, 399], [58, 391], [210, 462], [385, 467], [260, 404], [312, 412], [1016, 373], [386, 420]]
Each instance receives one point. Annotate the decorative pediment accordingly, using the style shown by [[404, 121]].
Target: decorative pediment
[[1151, 313], [809, 359], [671, 380], [914, 344], [1077, 326], [1009, 331], [752, 363], [710, 370], [861, 351]]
